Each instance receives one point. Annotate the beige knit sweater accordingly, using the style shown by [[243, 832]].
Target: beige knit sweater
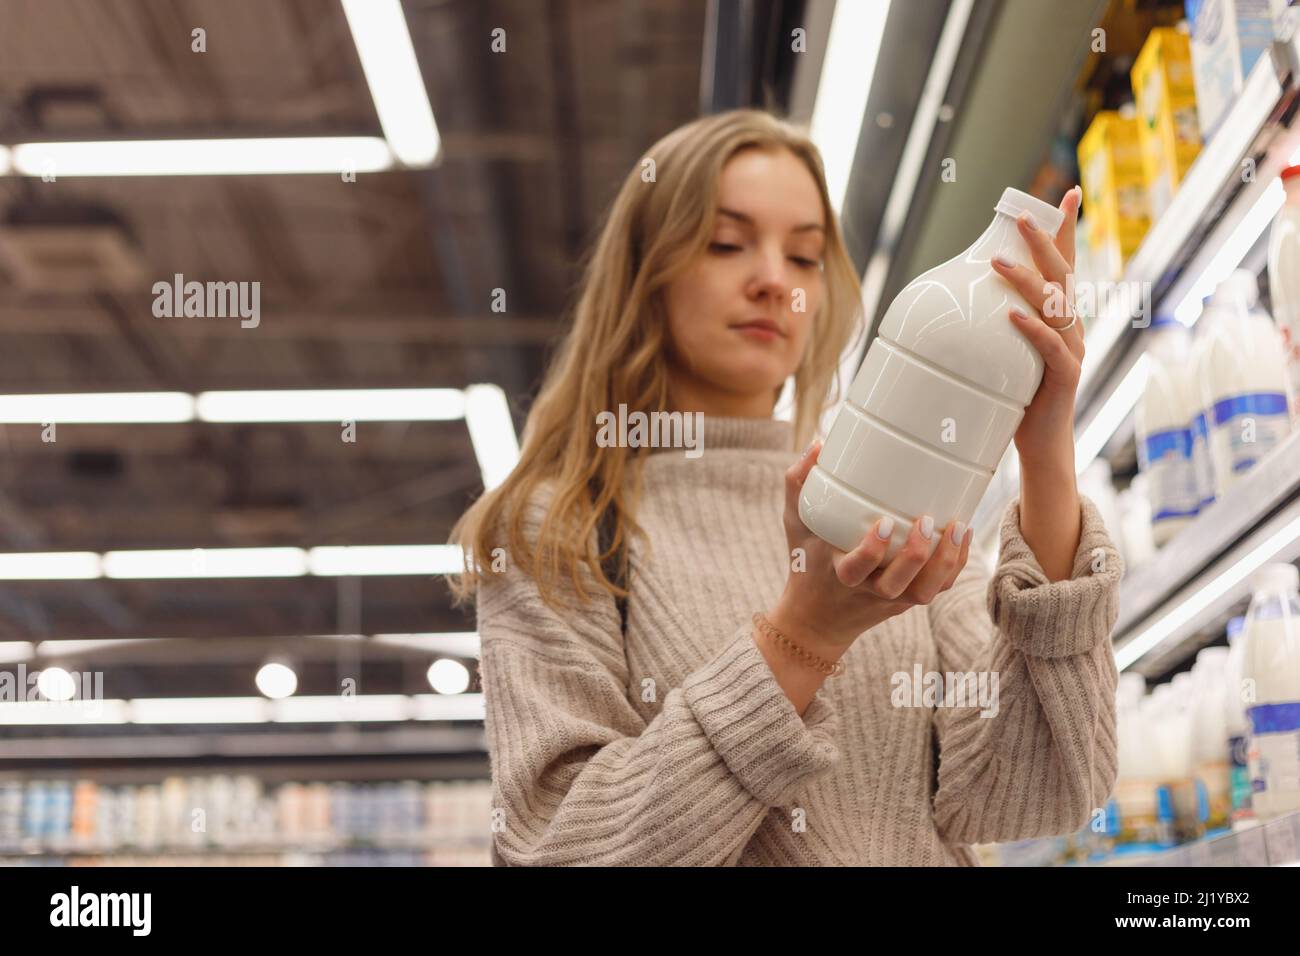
[[676, 745]]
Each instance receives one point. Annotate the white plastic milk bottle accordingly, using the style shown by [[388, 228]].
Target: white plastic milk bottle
[[1284, 278], [1243, 379], [1271, 660], [938, 397], [1164, 435]]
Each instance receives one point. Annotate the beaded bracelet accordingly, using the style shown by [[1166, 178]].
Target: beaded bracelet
[[812, 660]]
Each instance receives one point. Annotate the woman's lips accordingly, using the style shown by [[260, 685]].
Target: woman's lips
[[762, 331]]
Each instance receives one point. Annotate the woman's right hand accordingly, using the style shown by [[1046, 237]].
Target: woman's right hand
[[840, 595]]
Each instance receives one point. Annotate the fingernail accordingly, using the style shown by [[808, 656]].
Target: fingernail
[[1027, 221], [927, 527], [969, 533], [1017, 314], [885, 528], [1078, 193], [1004, 262], [958, 530], [808, 451]]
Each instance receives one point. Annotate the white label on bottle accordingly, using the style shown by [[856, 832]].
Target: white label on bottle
[[1166, 457], [1247, 427]]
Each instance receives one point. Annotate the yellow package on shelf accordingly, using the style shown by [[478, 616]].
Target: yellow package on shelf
[[1165, 90], [1114, 189]]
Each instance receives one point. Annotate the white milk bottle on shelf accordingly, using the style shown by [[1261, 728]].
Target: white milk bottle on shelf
[[1202, 456], [1241, 370], [1271, 660], [1135, 803], [1238, 728], [1210, 737], [1135, 523], [938, 398], [1164, 435], [1284, 278]]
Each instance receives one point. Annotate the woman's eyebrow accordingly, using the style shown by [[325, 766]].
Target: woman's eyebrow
[[806, 227]]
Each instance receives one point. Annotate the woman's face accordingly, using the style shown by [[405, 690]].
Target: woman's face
[[762, 268]]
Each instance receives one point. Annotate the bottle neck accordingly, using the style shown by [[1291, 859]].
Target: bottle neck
[[1291, 187], [1002, 238]]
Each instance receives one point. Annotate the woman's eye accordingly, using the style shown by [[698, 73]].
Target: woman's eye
[[723, 247], [805, 263]]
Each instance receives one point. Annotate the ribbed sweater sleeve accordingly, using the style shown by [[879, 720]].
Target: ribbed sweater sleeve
[[579, 777], [1046, 757]]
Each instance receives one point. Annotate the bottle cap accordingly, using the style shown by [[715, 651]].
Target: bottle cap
[[1235, 626], [1046, 216], [1239, 289], [1212, 656], [1290, 172], [1277, 577]]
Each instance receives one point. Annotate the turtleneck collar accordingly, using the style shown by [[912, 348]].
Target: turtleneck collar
[[723, 431]]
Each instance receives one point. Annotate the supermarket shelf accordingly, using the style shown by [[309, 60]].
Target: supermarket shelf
[[1201, 608], [421, 741], [1274, 843], [386, 844], [1270, 485]]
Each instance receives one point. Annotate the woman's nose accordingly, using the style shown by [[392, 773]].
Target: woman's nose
[[770, 275]]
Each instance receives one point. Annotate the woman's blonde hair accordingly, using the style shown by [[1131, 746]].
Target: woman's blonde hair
[[615, 353]]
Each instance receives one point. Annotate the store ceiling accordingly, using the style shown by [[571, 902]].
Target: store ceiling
[[383, 282]]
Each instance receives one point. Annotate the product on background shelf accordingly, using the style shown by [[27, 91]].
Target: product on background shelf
[[1227, 37], [1240, 368], [1168, 133], [388, 824], [938, 397], [1177, 742], [1135, 523], [1284, 278], [1164, 436], [1238, 727], [1139, 814], [1271, 661], [1114, 190], [1097, 482], [1210, 757]]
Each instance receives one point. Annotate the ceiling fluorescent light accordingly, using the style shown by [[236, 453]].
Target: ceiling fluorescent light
[[386, 559], [1206, 595], [447, 706], [245, 710], [205, 157], [334, 405], [15, 652], [50, 566], [97, 408], [1111, 414], [454, 644], [393, 74], [207, 563], [492, 432], [341, 709], [852, 49], [75, 711], [198, 710]]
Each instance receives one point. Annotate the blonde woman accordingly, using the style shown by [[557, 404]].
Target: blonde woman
[[738, 701]]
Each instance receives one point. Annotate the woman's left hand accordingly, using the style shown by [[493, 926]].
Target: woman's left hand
[[1046, 433], [1050, 512]]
